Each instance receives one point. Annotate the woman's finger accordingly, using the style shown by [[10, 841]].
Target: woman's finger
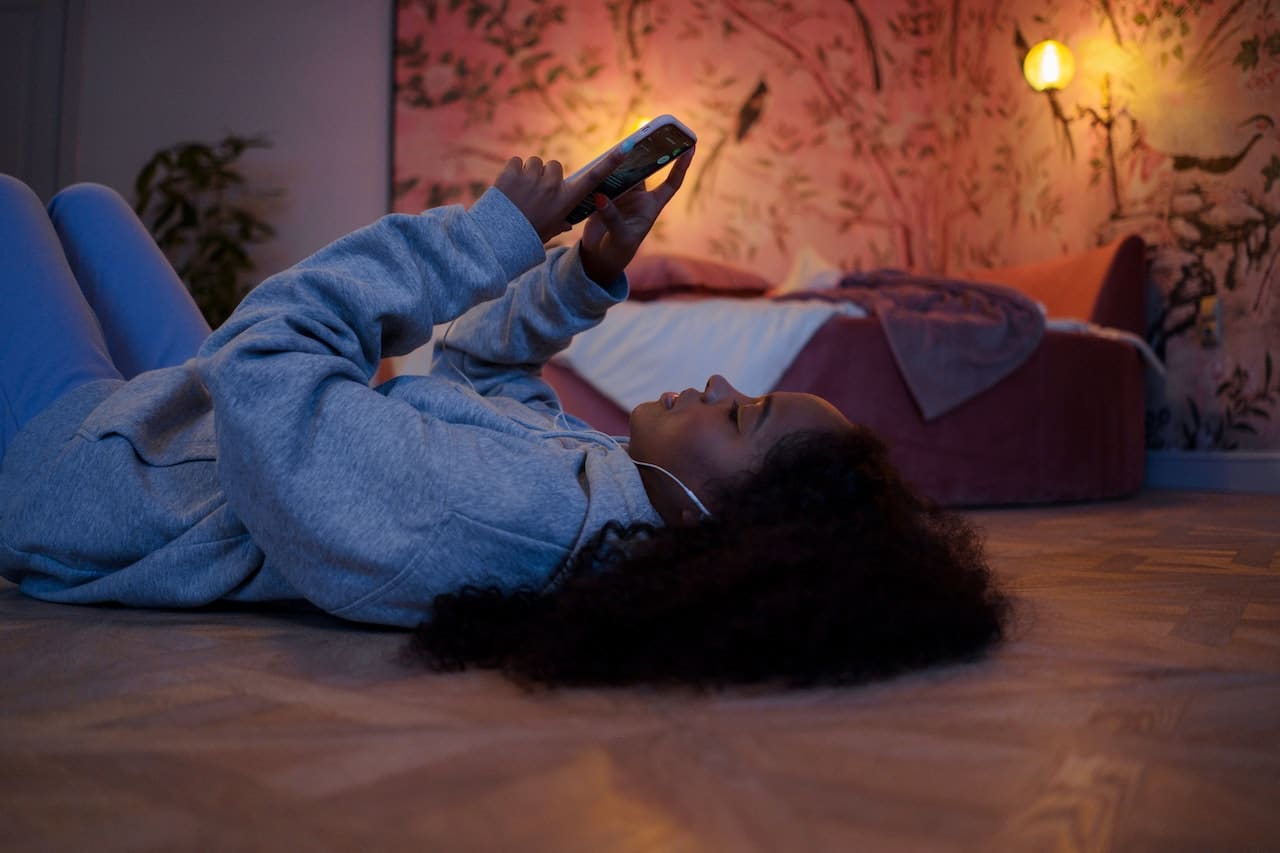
[[577, 188], [667, 189], [609, 213], [512, 168]]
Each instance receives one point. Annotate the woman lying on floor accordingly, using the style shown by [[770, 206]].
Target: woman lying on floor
[[733, 539]]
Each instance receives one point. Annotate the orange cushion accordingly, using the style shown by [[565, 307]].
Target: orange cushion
[[1104, 285]]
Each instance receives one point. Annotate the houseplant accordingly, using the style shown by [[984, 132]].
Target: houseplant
[[200, 210]]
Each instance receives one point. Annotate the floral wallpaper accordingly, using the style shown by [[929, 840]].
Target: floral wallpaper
[[901, 133]]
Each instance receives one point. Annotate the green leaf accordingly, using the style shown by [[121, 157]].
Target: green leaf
[[400, 188], [142, 186], [1271, 172], [167, 211], [1247, 58], [191, 190], [533, 60]]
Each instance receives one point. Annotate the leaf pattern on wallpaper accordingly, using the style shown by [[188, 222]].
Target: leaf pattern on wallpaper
[[900, 133], [1241, 410]]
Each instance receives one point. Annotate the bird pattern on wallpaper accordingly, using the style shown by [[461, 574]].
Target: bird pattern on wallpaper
[[901, 134], [1226, 163], [748, 114]]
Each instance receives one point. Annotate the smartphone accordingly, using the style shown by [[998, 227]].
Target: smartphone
[[653, 146]]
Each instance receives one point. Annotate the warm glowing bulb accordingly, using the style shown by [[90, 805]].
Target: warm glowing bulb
[[1050, 70], [1049, 65]]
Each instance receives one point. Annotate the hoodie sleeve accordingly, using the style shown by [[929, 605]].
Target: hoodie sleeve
[[500, 346], [327, 474]]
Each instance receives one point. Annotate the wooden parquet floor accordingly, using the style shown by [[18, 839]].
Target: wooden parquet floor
[[1136, 708]]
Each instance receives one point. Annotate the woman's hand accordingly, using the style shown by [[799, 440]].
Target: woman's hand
[[542, 194], [617, 228]]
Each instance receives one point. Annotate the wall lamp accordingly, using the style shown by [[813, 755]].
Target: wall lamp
[[1049, 65]]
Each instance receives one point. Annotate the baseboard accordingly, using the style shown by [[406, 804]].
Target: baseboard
[[1214, 470]]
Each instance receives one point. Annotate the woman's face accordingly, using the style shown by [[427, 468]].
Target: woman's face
[[713, 434]]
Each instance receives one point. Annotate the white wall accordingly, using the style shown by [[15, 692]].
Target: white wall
[[313, 75]]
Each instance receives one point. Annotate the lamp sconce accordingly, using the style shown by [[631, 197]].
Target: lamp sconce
[[1049, 65]]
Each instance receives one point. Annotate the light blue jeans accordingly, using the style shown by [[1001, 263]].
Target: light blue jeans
[[85, 294]]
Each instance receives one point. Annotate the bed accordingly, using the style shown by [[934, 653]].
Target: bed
[[1065, 425]]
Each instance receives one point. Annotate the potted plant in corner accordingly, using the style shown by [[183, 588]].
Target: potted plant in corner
[[193, 200]]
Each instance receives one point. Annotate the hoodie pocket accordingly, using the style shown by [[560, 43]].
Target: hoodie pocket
[[165, 415], [499, 557]]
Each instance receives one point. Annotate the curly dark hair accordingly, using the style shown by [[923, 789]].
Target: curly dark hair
[[822, 566]]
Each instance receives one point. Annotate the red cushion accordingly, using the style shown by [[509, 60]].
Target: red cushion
[[659, 274]]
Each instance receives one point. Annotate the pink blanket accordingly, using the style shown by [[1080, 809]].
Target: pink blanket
[[952, 339]]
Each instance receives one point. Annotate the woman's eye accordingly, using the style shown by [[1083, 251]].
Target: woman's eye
[[733, 412]]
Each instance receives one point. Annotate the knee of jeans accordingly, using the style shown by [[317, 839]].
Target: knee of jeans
[[12, 188], [87, 197]]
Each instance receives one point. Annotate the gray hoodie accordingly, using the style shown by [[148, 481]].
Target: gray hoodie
[[267, 469]]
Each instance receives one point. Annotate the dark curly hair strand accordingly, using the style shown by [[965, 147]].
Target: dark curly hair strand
[[821, 567]]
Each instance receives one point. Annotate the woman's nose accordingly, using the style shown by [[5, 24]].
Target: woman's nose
[[717, 389]]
